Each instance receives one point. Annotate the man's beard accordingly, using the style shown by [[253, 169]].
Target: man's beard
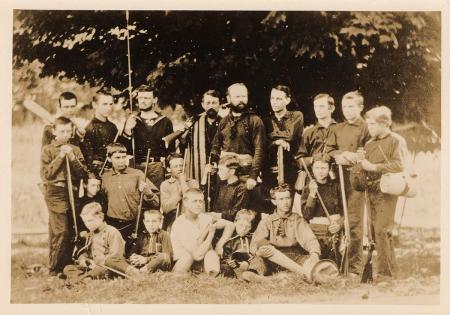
[[238, 108], [211, 113]]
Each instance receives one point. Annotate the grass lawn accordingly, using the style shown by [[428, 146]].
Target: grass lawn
[[417, 283]]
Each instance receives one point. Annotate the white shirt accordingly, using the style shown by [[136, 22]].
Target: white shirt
[[185, 234]]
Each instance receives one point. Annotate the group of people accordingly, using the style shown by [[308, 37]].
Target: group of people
[[231, 193]]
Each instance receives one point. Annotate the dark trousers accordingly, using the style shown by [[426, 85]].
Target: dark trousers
[[155, 172], [382, 209], [59, 230], [126, 228], [355, 207]]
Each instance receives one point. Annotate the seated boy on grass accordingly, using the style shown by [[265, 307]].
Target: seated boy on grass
[[282, 240], [104, 248], [236, 252], [153, 249]]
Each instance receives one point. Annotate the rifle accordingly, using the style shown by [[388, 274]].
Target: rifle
[[130, 87], [367, 275], [184, 167], [280, 164], [322, 204], [347, 239], [106, 158], [208, 191], [141, 199], [72, 205], [180, 133], [91, 262]]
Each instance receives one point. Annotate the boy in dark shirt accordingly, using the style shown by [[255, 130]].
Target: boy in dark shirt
[[342, 145], [91, 193], [232, 195], [99, 132], [236, 251], [324, 227], [153, 249]]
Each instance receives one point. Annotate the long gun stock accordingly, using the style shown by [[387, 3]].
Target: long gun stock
[[367, 275]]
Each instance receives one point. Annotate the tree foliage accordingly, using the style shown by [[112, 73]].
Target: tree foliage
[[392, 57]]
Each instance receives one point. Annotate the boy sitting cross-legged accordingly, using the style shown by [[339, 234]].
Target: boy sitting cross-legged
[[236, 252], [153, 249], [104, 248]]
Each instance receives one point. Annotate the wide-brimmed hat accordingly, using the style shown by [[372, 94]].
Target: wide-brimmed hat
[[324, 271]]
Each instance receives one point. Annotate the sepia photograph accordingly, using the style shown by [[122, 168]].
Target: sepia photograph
[[225, 156]]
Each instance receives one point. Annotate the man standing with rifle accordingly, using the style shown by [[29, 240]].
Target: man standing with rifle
[[199, 143]]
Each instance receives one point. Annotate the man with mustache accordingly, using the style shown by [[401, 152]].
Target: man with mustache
[[242, 134], [200, 140], [148, 127]]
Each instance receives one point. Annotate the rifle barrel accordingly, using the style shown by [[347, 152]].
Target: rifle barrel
[[71, 198]]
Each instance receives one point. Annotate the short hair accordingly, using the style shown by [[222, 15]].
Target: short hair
[[212, 93], [102, 91], [153, 212], [280, 188], [92, 208], [192, 191], [230, 161], [330, 99], [380, 114], [67, 96], [62, 121], [147, 88], [245, 214], [173, 156], [283, 88], [354, 95], [321, 157], [92, 175], [235, 84], [115, 147]]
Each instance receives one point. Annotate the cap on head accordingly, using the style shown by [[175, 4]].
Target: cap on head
[[380, 114], [230, 161], [280, 188], [115, 147]]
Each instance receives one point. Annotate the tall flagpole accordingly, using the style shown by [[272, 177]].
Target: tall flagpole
[[130, 88]]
